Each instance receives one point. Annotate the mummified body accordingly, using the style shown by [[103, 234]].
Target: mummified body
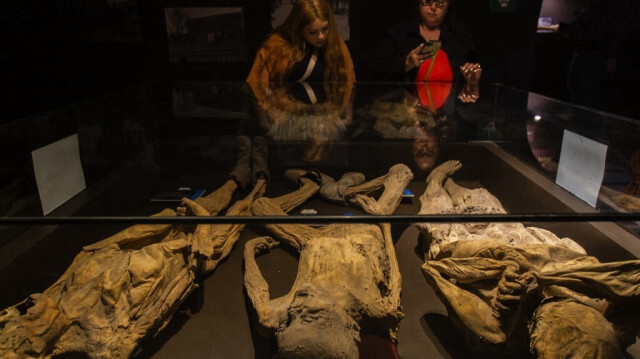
[[508, 287], [348, 281], [127, 286]]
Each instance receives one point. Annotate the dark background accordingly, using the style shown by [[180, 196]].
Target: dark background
[[47, 67]]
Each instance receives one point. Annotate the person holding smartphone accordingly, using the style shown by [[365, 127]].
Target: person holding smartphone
[[430, 46]]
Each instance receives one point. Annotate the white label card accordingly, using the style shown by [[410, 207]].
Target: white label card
[[581, 167], [58, 172]]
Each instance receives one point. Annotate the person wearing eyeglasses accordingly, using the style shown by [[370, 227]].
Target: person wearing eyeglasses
[[430, 46]]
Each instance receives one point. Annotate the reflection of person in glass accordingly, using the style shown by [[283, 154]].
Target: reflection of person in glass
[[418, 113], [315, 114], [425, 148], [306, 47], [431, 121], [302, 79], [430, 46]]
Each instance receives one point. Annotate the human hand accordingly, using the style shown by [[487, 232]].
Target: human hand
[[510, 289], [415, 59], [471, 72], [469, 93]]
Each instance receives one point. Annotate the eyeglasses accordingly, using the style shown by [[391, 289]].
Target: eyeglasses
[[439, 3]]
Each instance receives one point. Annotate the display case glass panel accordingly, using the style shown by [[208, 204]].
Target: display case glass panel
[[553, 165]]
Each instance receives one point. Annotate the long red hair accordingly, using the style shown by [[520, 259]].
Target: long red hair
[[303, 13]]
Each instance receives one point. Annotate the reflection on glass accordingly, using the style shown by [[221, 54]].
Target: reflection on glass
[[420, 112], [544, 141], [315, 114]]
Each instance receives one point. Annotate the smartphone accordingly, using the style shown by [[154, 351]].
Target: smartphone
[[430, 47]]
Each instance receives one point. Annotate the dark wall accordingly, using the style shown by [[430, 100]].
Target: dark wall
[[368, 20], [48, 67], [505, 40], [614, 36]]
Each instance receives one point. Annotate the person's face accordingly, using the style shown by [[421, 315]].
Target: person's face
[[432, 12], [316, 32], [425, 149], [312, 313]]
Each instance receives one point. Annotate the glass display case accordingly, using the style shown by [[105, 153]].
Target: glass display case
[[129, 155]]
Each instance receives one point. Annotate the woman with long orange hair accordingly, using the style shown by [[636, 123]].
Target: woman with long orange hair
[[306, 47]]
